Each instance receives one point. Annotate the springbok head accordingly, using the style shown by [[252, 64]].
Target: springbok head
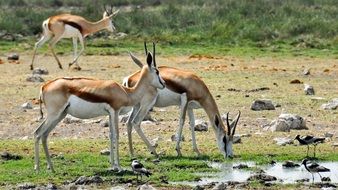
[[156, 79], [227, 137], [109, 14]]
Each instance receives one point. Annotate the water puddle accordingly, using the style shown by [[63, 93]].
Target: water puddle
[[284, 175]]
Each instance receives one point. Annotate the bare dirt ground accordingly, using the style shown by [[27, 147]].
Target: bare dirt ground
[[219, 73]]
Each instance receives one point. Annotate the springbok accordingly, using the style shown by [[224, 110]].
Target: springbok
[[87, 98], [71, 26], [189, 92]]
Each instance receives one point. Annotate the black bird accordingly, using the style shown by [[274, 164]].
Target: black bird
[[313, 167], [139, 169], [307, 140]]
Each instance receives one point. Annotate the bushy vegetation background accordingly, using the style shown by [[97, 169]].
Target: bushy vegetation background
[[308, 23]]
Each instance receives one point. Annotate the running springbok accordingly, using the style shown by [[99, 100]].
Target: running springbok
[[189, 92], [87, 98], [71, 26]]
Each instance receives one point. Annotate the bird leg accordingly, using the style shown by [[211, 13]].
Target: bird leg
[[313, 178], [307, 153], [314, 151], [321, 178]]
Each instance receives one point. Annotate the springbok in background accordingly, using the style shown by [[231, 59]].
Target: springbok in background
[[87, 98], [71, 26], [189, 92]]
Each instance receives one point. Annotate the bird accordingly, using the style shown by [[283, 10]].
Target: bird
[[307, 140], [139, 169], [313, 167]]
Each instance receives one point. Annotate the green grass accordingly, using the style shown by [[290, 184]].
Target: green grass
[[76, 158]]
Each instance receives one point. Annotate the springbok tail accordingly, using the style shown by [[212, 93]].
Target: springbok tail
[[40, 103]]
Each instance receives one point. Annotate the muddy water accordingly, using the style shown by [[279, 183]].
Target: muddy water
[[284, 175]]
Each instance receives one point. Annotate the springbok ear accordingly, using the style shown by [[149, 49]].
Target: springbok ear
[[136, 60], [150, 60], [216, 120]]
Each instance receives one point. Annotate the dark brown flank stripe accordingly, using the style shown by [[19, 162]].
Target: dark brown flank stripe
[[73, 24], [88, 96], [174, 86]]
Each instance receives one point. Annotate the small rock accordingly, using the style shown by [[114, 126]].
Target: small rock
[[83, 180], [105, 152], [261, 177], [175, 138], [236, 139], [282, 141], [198, 187], [309, 90], [26, 186], [328, 135], [40, 71], [302, 180], [296, 81], [145, 187], [306, 72], [35, 78], [263, 104], [104, 123], [27, 105], [220, 186], [8, 156], [290, 164], [201, 125], [241, 166], [13, 57], [286, 122], [51, 186], [331, 105], [70, 119]]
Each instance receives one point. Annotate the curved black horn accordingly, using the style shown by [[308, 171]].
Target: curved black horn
[[228, 125], [104, 7], [154, 54], [236, 121], [145, 48]]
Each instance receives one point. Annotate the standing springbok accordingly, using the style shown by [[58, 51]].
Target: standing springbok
[[71, 26], [188, 91], [87, 98]]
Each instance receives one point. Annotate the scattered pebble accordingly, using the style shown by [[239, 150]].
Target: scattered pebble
[[27, 105], [263, 104], [13, 57], [40, 71], [296, 81], [8, 156], [241, 166], [105, 152], [306, 72], [309, 90], [35, 78], [331, 105], [201, 125], [175, 138], [290, 164]]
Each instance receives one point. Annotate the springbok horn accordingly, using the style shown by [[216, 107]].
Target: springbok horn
[[104, 7], [154, 54], [145, 48], [228, 125], [234, 123]]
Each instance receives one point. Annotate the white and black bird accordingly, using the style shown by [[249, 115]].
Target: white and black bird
[[139, 169], [313, 167], [308, 140]]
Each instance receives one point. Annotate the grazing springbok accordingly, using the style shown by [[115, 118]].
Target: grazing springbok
[[71, 26], [189, 92], [87, 98]]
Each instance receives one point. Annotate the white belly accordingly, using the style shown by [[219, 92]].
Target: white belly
[[70, 32], [84, 110], [167, 97]]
